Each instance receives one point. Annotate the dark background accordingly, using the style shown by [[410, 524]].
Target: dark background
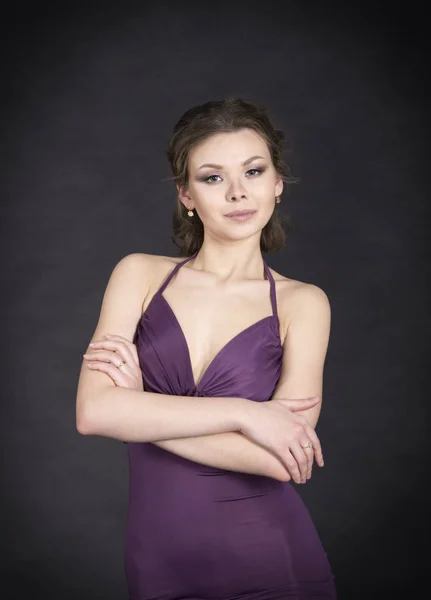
[[90, 95]]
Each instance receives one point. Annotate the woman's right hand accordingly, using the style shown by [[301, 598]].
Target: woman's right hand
[[275, 426]]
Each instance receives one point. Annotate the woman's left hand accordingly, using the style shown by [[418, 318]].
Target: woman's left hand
[[107, 354]]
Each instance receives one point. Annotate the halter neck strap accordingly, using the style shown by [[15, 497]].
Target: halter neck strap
[[267, 271], [175, 269], [272, 290]]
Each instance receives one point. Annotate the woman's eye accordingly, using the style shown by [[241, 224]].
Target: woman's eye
[[211, 178]]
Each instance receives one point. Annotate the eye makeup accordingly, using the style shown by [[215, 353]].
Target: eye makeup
[[207, 178]]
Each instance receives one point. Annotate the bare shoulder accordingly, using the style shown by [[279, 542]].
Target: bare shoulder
[[146, 267], [292, 290], [298, 298], [147, 271]]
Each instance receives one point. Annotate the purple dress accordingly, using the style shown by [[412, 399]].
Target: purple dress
[[199, 533]]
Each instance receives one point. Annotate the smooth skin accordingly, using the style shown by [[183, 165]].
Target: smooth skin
[[263, 438]]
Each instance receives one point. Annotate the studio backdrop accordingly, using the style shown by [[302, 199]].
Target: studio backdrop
[[91, 96]]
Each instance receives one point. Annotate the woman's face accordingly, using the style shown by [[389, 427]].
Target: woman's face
[[240, 177]]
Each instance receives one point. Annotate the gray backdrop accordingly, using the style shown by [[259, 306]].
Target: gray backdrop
[[91, 97]]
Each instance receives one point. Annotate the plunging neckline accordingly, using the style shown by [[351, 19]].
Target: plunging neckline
[[271, 319], [218, 354]]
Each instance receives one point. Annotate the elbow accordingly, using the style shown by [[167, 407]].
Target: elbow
[[85, 421], [91, 413], [276, 471], [83, 424], [283, 477], [82, 429], [280, 473]]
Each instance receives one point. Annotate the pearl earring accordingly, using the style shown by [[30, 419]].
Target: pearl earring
[[190, 213]]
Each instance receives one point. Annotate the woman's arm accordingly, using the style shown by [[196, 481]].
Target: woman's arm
[[304, 352], [139, 416], [305, 348], [103, 408], [128, 413], [228, 451]]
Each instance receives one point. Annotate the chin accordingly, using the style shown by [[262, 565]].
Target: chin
[[243, 231]]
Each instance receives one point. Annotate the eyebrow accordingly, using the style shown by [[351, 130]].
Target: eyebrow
[[213, 166]]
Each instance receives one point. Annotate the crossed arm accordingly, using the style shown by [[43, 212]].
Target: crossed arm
[[304, 352]]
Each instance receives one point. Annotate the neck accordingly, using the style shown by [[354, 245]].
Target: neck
[[233, 262]]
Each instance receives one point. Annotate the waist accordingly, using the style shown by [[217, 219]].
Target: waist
[[157, 474]]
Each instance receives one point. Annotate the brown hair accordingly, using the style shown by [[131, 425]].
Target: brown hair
[[223, 116]]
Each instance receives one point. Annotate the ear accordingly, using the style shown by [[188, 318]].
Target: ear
[[279, 185], [184, 197]]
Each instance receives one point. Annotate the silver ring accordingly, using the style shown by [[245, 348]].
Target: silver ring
[[122, 363], [309, 445]]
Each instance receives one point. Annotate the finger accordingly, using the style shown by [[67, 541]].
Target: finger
[[301, 458], [115, 374], [105, 356], [317, 448], [291, 464], [309, 452], [134, 351], [115, 346], [301, 403], [130, 345]]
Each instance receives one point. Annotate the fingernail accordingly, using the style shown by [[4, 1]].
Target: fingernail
[[92, 344]]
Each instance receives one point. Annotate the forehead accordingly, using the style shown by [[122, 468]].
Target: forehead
[[232, 147]]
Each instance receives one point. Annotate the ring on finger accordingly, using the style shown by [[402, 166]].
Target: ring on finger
[[121, 364], [309, 445]]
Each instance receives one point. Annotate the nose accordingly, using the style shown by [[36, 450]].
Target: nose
[[236, 192]]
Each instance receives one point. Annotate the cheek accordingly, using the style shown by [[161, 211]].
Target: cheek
[[207, 211], [268, 203], [267, 208], [209, 204]]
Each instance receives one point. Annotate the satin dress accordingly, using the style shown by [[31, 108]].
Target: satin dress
[[195, 532]]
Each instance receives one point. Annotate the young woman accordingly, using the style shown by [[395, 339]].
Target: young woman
[[210, 367]]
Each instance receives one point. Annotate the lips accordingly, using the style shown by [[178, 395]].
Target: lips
[[238, 213]]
